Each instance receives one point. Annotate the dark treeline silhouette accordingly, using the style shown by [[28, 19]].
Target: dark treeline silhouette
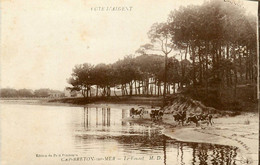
[[140, 75], [9, 92], [213, 48]]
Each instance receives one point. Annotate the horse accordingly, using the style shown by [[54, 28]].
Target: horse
[[153, 115], [156, 115], [160, 115], [206, 117], [180, 117], [134, 112], [195, 119]]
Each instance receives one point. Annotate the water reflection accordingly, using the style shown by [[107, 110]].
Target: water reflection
[[104, 128], [102, 116], [96, 132]]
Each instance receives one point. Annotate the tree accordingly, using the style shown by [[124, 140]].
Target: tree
[[82, 78], [160, 37], [216, 37], [25, 93], [8, 92], [44, 92]]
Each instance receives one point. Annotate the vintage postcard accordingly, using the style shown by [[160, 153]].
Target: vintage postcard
[[123, 82]]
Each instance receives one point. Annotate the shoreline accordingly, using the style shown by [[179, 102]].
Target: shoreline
[[45, 102], [240, 131], [228, 131], [79, 102]]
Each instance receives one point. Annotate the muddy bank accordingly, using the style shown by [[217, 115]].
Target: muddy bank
[[46, 102], [134, 100], [154, 101], [240, 131]]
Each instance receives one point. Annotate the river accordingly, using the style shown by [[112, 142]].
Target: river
[[50, 135]]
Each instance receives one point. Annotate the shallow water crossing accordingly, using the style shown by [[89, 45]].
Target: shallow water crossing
[[34, 134]]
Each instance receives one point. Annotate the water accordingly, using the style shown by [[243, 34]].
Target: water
[[42, 135]]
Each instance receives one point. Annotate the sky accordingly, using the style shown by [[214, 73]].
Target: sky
[[41, 41]]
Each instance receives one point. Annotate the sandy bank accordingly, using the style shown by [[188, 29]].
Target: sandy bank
[[239, 131]]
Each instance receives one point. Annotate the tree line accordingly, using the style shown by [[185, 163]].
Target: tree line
[[212, 46], [141, 75], [9, 92]]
